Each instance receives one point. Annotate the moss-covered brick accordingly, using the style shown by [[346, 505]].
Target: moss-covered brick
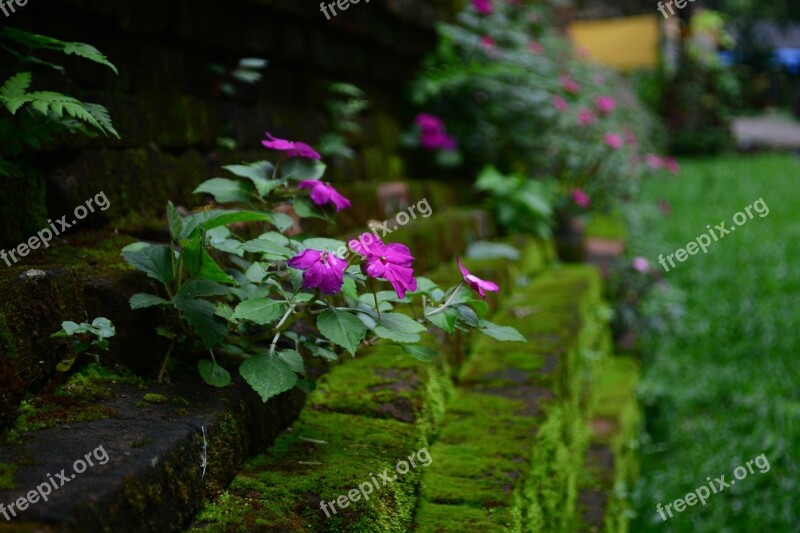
[[323, 457]]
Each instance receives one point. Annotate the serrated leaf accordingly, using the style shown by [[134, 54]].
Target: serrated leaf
[[256, 272], [174, 220], [215, 218], [401, 323], [201, 288], [269, 376], [155, 260], [201, 315], [302, 168], [225, 191], [201, 265], [342, 329], [321, 351], [144, 300], [261, 311], [213, 374], [444, 320], [16, 85], [501, 333], [349, 288], [397, 336], [420, 353], [269, 248], [305, 208], [293, 359]]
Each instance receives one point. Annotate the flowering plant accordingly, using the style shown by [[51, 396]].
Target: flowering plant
[[274, 300]]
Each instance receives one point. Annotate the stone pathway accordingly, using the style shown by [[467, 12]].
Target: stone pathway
[[767, 131]]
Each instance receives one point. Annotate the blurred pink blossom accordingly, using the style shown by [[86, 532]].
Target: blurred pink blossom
[[560, 104], [613, 141], [672, 165], [605, 104], [586, 117], [640, 264], [581, 199], [569, 85], [484, 7]]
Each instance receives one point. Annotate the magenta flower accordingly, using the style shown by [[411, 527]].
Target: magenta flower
[[560, 104], [484, 7], [433, 135], [586, 117], [613, 141], [569, 85], [475, 282], [322, 269], [581, 199], [672, 165], [487, 43], [535, 47], [391, 262], [605, 104], [323, 193], [291, 148], [655, 162], [640, 264]]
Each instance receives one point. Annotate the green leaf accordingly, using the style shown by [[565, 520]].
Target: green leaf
[[424, 285], [256, 272], [201, 288], [349, 288], [269, 376], [268, 248], [501, 333], [213, 374], [201, 315], [89, 52], [342, 329], [201, 265], [261, 311], [420, 353], [320, 351], [15, 86], [155, 260], [293, 359], [70, 328], [492, 250], [397, 336], [225, 191], [255, 63], [175, 221], [444, 320], [325, 245], [258, 173], [282, 221], [305, 208], [144, 300], [215, 218], [401, 323], [302, 168]]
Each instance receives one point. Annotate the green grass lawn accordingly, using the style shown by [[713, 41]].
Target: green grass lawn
[[725, 387]]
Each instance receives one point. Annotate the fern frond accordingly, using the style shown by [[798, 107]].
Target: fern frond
[[100, 113], [34, 41], [15, 86]]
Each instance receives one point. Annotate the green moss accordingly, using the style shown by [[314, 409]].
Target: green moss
[[155, 398], [7, 476]]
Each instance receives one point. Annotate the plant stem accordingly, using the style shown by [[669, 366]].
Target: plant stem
[[166, 360], [447, 303]]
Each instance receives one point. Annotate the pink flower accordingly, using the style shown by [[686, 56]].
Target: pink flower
[[323, 193], [484, 7], [487, 43], [535, 47], [655, 162], [475, 282], [640, 264], [613, 141], [292, 149], [605, 104], [391, 262], [560, 104], [433, 135], [672, 165], [586, 117], [322, 269], [581, 199], [569, 85]]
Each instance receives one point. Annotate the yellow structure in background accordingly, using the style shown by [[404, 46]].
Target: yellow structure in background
[[624, 43]]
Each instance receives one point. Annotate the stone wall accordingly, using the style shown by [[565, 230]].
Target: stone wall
[[168, 109]]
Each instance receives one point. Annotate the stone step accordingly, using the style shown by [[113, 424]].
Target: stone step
[[366, 416], [508, 457]]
